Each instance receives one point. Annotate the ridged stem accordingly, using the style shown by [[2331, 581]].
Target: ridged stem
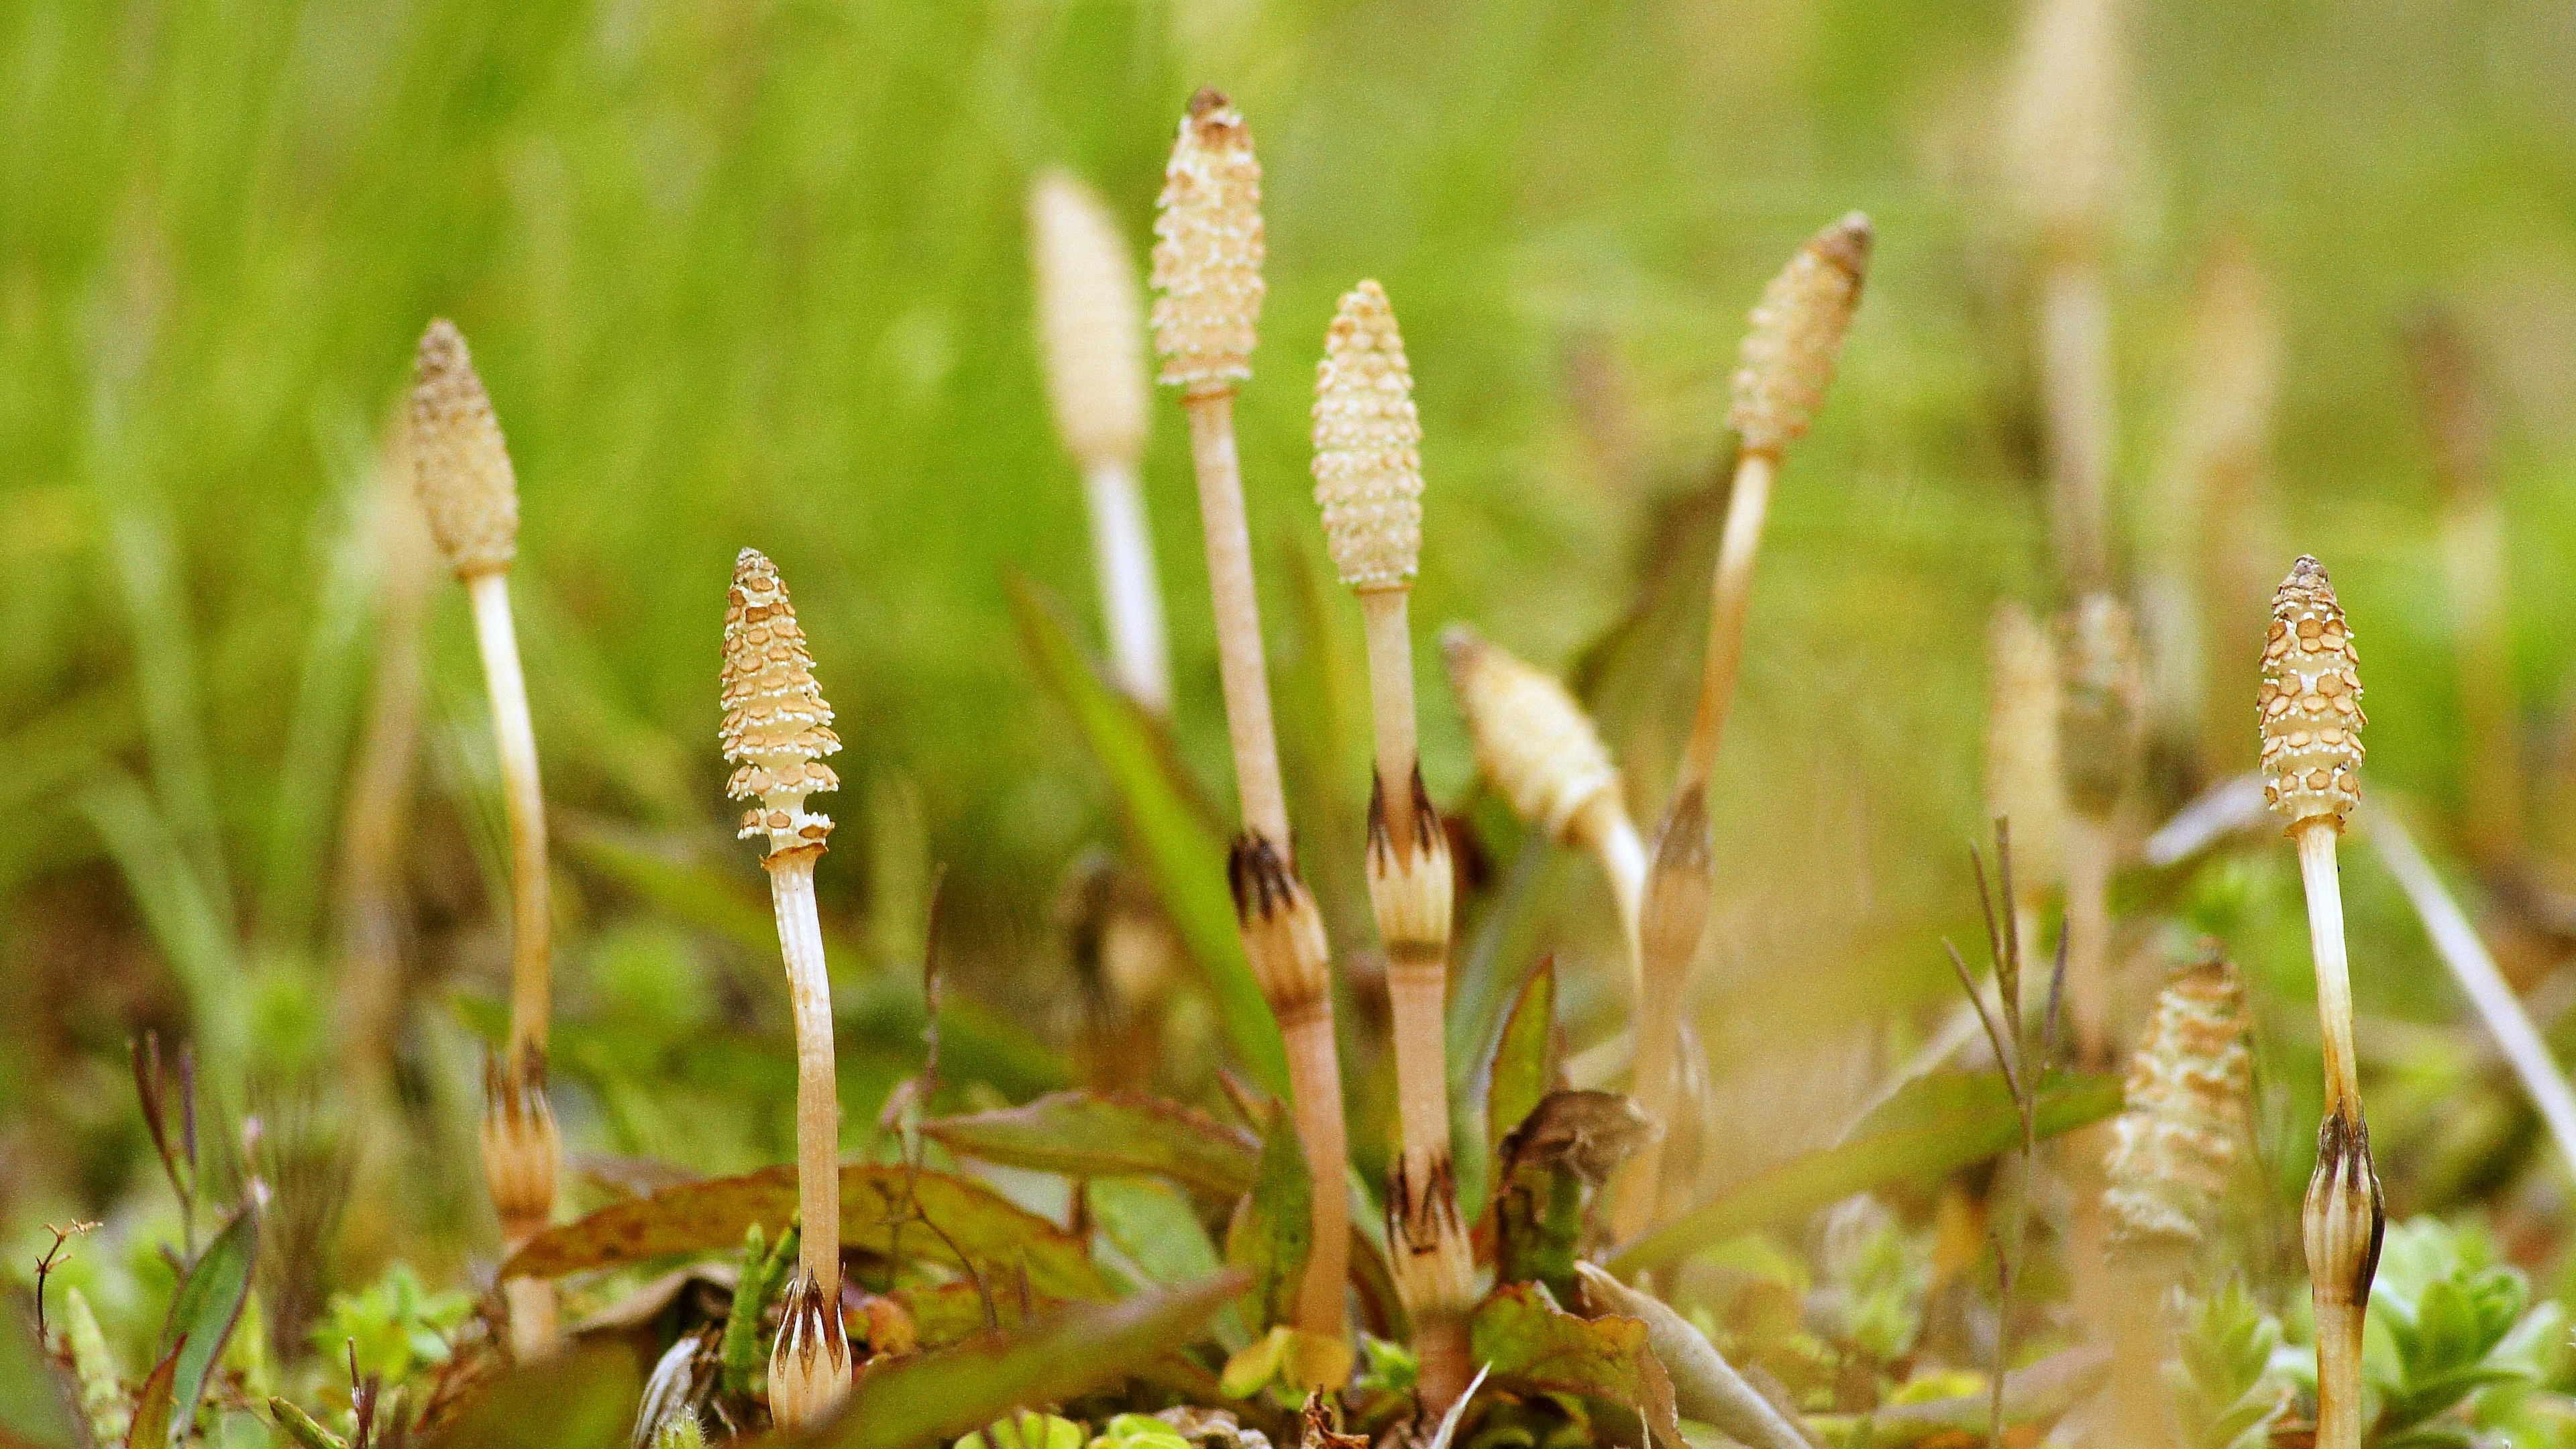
[[2075, 390], [1315, 1081], [532, 1316], [2317, 871], [1730, 594], [1131, 595], [524, 802], [1238, 616], [2085, 850], [818, 1102], [1390, 656], [1417, 995], [1443, 1361], [372, 835]]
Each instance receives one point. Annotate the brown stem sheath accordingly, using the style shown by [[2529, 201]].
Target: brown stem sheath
[[1390, 656], [1730, 593], [818, 1102], [1238, 616]]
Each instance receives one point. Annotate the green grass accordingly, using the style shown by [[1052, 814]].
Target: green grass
[[755, 274]]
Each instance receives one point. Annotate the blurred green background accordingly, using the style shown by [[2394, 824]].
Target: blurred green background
[[756, 273]]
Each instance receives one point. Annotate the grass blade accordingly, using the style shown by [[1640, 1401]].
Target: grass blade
[[1182, 847], [1940, 1123]]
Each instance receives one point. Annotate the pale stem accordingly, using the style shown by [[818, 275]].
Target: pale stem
[[1390, 656], [371, 840], [2075, 384], [2334, 978], [1417, 995], [1131, 594], [1444, 1361], [1315, 1081], [2339, 1328], [516, 740], [818, 1103], [1238, 617], [1730, 593], [532, 1316], [2086, 851], [1652, 1085], [1604, 826]]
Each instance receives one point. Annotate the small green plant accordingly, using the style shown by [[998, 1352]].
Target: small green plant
[[2225, 1393], [395, 1327], [2458, 1327]]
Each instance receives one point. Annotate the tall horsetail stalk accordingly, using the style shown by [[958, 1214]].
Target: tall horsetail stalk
[[1679, 891], [776, 731], [2063, 118], [2473, 556], [2100, 721], [461, 467], [1368, 484], [1208, 289], [2023, 781], [1091, 337], [2311, 716], [1539, 750], [1786, 364]]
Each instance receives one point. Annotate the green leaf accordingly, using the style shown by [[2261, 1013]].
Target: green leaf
[[156, 1421], [1273, 1234], [202, 1315], [1937, 1124], [1093, 1134], [582, 1399], [1533, 1344], [36, 1401], [942, 1394], [300, 1427], [1156, 1226], [1524, 1068], [1173, 831], [713, 1216]]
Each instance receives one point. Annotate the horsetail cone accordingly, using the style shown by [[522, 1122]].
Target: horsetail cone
[[460, 463], [1207, 250], [2101, 709], [777, 725], [2184, 1120], [1533, 742], [1796, 336], [1090, 322], [1368, 439], [2311, 703]]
